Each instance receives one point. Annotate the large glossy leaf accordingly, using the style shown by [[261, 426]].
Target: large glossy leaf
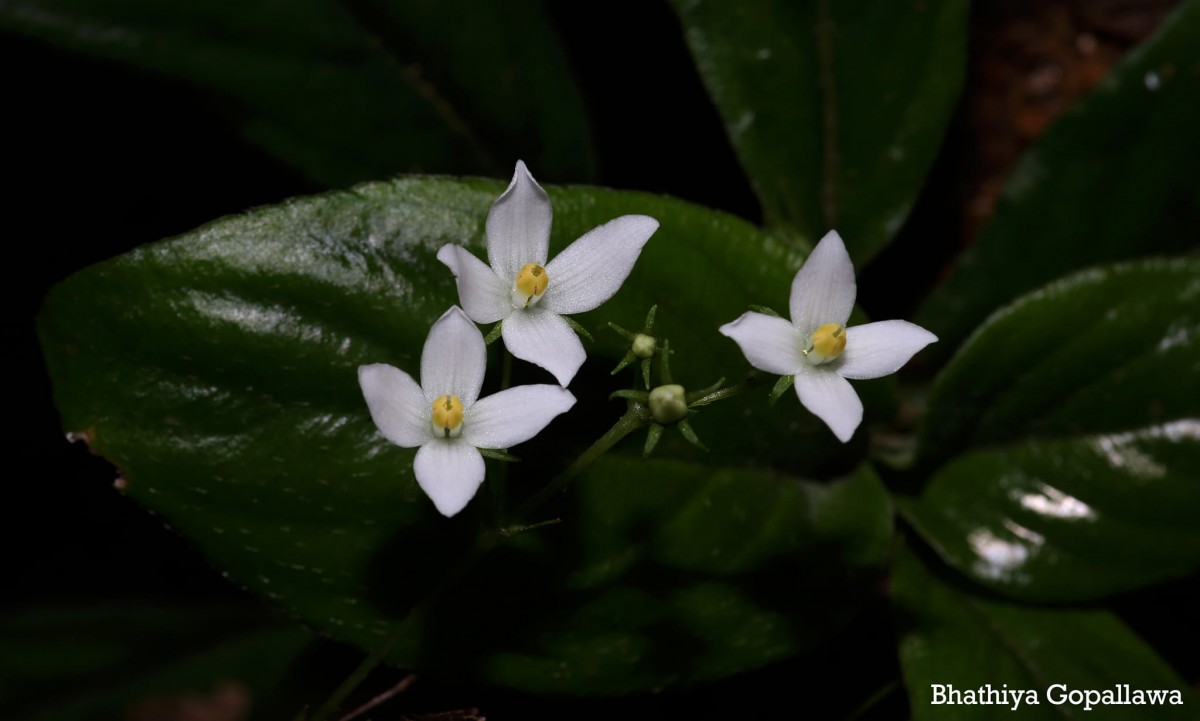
[[951, 637], [1114, 178], [1070, 520], [836, 109], [217, 371], [351, 91], [1085, 395], [1109, 349], [76, 663]]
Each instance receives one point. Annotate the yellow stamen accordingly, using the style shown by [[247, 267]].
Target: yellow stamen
[[531, 283], [826, 343], [447, 416]]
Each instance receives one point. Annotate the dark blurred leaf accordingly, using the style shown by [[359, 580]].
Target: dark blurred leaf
[[107, 662], [1107, 349], [350, 91], [1113, 178], [669, 572], [836, 109], [951, 637], [1070, 520], [217, 370]]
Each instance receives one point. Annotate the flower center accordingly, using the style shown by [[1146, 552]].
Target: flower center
[[826, 343], [447, 417], [530, 284]]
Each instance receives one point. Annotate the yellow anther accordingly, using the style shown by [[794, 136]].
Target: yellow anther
[[826, 343], [531, 283], [447, 416]]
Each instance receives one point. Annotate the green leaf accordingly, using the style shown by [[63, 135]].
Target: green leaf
[[1104, 350], [674, 572], [836, 110], [1114, 178], [76, 663], [351, 91], [951, 637], [1070, 520], [1085, 396], [218, 371]]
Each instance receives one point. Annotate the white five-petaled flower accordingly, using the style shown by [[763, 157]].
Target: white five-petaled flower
[[445, 415], [817, 348], [531, 295]]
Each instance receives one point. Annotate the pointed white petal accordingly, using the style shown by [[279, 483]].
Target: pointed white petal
[[484, 296], [449, 471], [515, 415], [542, 337], [877, 349], [397, 404], [823, 290], [830, 398], [770, 344], [518, 225], [592, 269], [454, 358]]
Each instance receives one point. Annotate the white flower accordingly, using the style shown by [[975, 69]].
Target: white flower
[[531, 295], [445, 415], [817, 348]]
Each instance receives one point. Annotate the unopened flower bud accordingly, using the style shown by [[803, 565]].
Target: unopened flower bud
[[668, 404], [644, 345]]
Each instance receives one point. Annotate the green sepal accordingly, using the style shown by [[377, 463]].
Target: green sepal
[[578, 328], [686, 429], [704, 396], [494, 333], [630, 394], [652, 438], [765, 310], [781, 386]]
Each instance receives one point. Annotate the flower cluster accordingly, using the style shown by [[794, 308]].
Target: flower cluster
[[529, 297], [444, 415]]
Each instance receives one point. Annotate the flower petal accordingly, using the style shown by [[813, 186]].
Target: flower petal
[[830, 398], [592, 269], [542, 337], [484, 296], [877, 349], [515, 415], [454, 358], [823, 290], [518, 225], [397, 404], [449, 471], [770, 344]]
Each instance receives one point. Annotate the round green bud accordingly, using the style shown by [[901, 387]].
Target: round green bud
[[667, 404], [644, 345]]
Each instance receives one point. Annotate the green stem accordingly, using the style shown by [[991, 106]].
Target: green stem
[[874, 700], [499, 481], [506, 371], [635, 417]]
